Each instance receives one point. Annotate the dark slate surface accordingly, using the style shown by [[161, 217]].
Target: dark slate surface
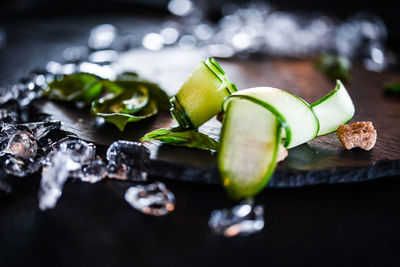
[[353, 224], [321, 161]]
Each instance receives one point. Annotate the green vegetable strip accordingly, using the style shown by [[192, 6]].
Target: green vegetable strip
[[269, 107]]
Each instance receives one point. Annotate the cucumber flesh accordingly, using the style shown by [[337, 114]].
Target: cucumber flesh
[[297, 113], [201, 95], [334, 109], [250, 138]]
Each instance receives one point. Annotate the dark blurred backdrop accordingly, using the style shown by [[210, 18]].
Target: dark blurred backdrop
[[20, 9], [17, 9]]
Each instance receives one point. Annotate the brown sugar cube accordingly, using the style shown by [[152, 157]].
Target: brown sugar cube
[[282, 153], [358, 134]]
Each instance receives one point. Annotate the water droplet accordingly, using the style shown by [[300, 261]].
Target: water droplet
[[153, 199]]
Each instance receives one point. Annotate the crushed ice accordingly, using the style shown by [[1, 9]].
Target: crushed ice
[[152, 199], [127, 161], [58, 165], [243, 219]]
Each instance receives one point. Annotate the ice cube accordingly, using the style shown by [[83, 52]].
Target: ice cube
[[7, 94], [243, 219], [79, 151], [102, 36], [53, 178], [42, 129], [180, 7], [170, 35], [153, 41], [153, 199], [58, 166], [10, 112], [75, 54], [94, 172], [6, 131], [20, 167], [127, 161], [22, 144], [103, 56]]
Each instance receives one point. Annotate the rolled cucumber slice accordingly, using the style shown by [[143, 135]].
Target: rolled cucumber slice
[[334, 109], [250, 137], [299, 121], [201, 95]]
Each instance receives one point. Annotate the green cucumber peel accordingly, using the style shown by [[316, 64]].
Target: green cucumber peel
[[338, 86], [209, 81], [297, 113], [234, 188], [334, 109], [236, 193], [179, 114], [215, 63], [267, 106]]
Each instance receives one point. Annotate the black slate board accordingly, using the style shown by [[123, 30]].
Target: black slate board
[[320, 161]]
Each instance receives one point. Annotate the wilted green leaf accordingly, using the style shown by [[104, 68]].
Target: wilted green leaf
[[334, 67], [177, 137], [120, 119], [129, 98], [79, 87], [125, 101], [129, 79], [392, 88]]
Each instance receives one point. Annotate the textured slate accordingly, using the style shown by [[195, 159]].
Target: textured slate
[[321, 161]]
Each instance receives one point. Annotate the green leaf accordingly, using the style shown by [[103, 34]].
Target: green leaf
[[177, 137], [127, 101], [78, 87], [131, 79], [120, 119], [334, 67], [392, 88]]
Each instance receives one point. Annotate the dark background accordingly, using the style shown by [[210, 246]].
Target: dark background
[[16, 9], [329, 225]]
